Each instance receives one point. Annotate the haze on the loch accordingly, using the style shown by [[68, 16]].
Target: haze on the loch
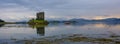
[[23, 10]]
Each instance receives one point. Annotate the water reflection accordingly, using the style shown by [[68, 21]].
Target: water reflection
[[97, 23], [40, 30], [92, 30], [27, 31], [2, 25]]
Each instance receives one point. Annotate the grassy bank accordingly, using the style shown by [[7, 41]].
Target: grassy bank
[[37, 22]]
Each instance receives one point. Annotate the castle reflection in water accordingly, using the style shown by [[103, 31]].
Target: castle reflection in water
[[41, 31]]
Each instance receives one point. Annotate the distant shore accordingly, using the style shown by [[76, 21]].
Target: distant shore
[[13, 22]]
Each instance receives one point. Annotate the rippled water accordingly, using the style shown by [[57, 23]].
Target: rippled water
[[24, 31]]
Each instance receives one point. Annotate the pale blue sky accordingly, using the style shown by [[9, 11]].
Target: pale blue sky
[[22, 10]]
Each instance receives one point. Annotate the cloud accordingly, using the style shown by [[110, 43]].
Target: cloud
[[16, 13], [18, 10]]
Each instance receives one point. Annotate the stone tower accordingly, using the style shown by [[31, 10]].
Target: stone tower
[[40, 16]]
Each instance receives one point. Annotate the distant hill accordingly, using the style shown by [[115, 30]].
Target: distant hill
[[111, 19], [102, 20], [105, 21], [80, 20], [1, 20]]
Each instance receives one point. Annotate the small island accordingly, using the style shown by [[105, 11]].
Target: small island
[[40, 20]]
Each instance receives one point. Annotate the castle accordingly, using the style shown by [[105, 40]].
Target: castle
[[39, 20], [40, 16]]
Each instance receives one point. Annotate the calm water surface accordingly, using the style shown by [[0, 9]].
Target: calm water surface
[[24, 31]]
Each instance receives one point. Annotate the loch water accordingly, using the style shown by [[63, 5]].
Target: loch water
[[10, 33]]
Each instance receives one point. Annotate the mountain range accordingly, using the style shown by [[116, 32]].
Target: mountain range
[[80, 20]]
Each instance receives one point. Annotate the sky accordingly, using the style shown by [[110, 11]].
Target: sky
[[24, 10]]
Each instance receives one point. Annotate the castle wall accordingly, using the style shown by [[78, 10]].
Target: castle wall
[[40, 16]]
